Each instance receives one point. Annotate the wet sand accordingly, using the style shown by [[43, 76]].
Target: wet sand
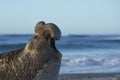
[[90, 76]]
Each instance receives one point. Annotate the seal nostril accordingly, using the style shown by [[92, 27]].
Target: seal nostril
[[35, 36]]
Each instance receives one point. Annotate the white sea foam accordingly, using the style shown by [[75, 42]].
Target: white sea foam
[[91, 61], [113, 38]]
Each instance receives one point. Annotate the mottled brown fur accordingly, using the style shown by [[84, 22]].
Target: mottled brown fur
[[26, 63]]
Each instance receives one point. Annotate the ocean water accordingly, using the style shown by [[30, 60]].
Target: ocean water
[[81, 53]]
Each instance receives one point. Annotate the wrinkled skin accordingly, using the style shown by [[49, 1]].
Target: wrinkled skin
[[36, 61]]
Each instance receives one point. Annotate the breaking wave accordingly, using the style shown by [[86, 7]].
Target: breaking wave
[[114, 39], [84, 61]]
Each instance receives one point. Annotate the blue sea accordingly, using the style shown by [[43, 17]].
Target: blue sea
[[81, 53]]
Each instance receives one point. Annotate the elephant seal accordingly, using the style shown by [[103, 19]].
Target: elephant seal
[[38, 60]]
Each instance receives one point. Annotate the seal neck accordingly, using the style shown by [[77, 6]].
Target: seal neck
[[58, 55]]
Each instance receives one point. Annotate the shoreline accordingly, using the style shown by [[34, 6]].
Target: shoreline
[[90, 76]]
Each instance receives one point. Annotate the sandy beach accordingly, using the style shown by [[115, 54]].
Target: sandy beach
[[90, 76]]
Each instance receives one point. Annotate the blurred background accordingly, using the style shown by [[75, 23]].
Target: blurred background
[[90, 29]]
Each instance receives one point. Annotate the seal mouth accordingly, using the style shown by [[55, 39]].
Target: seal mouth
[[57, 56], [52, 44]]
